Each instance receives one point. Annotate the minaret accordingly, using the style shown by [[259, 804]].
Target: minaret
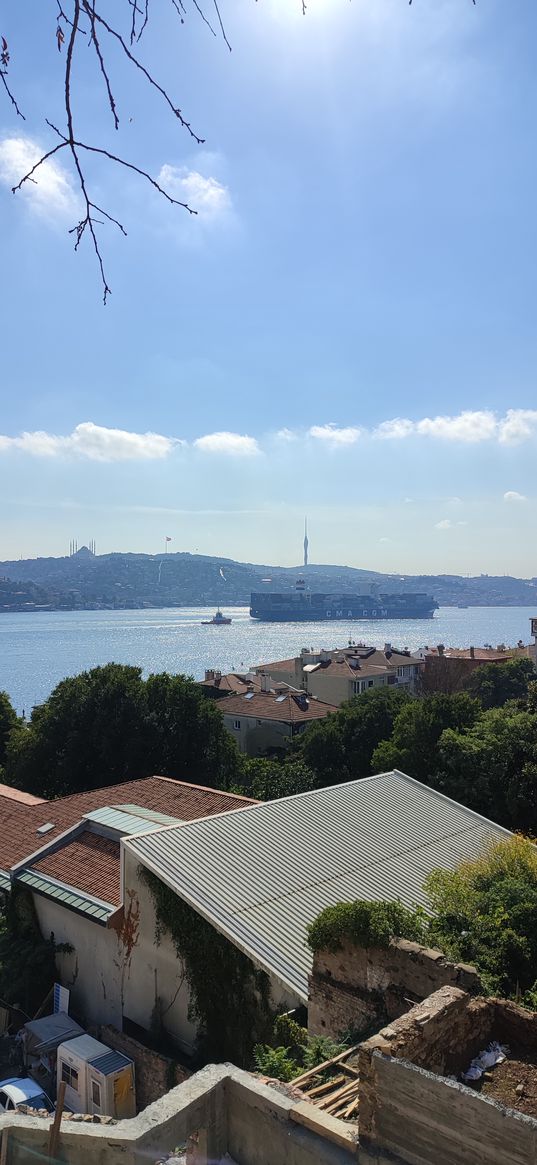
[[306, 543]]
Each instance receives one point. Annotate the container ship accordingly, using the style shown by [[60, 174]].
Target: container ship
[[303, 606]]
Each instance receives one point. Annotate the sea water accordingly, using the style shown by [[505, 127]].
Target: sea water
[[40, 648]]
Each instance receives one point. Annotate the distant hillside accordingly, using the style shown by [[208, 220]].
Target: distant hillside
[[86, 582]]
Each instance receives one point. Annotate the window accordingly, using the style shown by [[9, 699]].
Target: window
[[401, 671], [70, 1076], [96, 1093], [236, 723], [370, 683], [5, 1102]]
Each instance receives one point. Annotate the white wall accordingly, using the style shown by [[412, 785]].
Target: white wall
[[93, 970]]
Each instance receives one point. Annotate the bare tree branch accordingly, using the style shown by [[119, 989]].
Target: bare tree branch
[[4, 64], [82, 18]]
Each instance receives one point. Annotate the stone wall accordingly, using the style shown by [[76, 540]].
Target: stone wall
[[154, 1074], [358, 988], [420, 1118], [412, 1115]]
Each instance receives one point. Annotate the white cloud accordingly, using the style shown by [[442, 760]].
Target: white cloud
[[50, 194], [234, 444], [286, 435], [467, 427], [518, 425], [513, 496], [206, 195], [93, 442], [447, 524], [333, 435], [396, 429]]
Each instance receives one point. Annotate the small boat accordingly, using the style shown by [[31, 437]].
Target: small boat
[[218, 620]]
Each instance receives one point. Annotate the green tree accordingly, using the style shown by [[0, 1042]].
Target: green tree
[[492, 766], [340, 747], [8, 721], [493, 684], [485, 913], [413, 745], [268, 779], [108, 725]]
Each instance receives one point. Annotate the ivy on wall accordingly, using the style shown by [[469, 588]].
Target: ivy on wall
[[229, 997], [27, 959], [367, 924]]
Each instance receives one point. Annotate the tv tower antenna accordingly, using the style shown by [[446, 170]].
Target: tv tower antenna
[[306, 542]]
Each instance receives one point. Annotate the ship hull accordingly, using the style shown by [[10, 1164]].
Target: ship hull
[[303, 607]]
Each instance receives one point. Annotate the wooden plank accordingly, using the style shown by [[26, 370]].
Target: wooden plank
[[341, 1092], [54, 1134], [328, 1086], [325, 1126], [322, 1067]]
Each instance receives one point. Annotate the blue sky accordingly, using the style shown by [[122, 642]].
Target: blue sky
[[347, 329]]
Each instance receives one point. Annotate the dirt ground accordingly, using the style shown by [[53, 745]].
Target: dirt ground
[[519, 1069]]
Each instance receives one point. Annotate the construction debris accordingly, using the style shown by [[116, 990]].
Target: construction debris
[[332, 1086]]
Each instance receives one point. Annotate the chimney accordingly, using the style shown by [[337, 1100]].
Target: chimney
[[440, 649], [265, 682], [387, 647], [209, 673], [472, 653]]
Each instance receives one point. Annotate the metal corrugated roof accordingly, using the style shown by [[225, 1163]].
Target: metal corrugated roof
[[149, 814], [119, 822], [261, 875], [73, 899], [5, 880], [110, 1062]]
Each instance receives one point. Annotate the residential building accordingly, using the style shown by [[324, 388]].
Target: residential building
[[265, 721], [261, 875], [258, 873], [338, 674], [446, 669], [66, 853], [218, 686]]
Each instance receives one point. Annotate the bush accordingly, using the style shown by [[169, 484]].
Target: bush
[[368, 924]]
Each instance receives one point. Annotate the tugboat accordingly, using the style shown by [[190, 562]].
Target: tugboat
[[218, 620]]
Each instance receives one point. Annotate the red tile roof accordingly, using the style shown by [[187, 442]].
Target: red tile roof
[[268, 706], [19, 822], [18, 795], [89, 863]]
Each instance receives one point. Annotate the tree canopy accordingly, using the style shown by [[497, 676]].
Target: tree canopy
[[485, 913], [340, 748], [109, 725], [8, 721], [494, 684]]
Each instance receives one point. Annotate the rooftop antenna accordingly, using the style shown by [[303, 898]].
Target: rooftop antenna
[[306, 542]]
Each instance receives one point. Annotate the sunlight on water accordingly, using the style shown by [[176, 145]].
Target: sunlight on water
[[38, 650]]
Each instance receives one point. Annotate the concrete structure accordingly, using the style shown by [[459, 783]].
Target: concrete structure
[[411, 1109], [356, 988], [412, 1113], [219, 1111], [264, 722], [338, 674]]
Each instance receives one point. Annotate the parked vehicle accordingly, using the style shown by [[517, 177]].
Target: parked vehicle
[[15, 1091], [98, 1080]]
